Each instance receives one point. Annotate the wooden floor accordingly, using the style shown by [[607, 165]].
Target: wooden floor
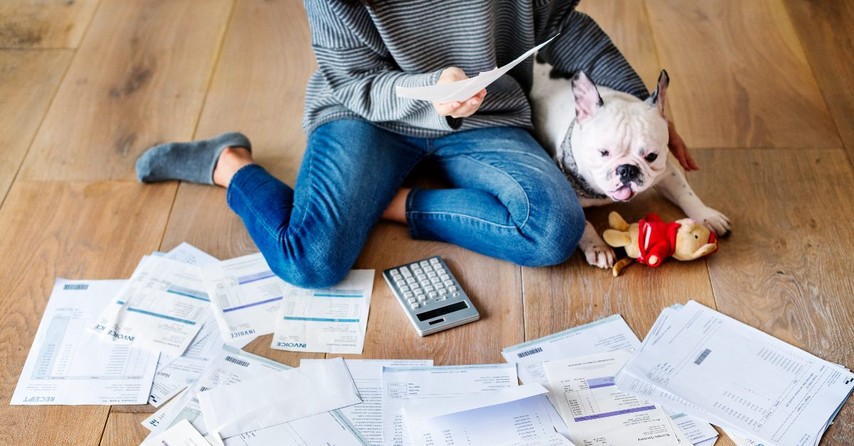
[[762, 91]]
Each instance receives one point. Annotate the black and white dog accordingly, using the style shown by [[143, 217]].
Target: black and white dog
[[611, 146]]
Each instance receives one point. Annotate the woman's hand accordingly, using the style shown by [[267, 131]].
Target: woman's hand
[[679, 149], [457, 109]]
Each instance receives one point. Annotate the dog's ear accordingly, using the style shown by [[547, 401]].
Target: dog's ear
[[587, 99], [659, 95]]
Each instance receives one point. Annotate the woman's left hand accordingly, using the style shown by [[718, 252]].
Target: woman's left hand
[[679, 149]]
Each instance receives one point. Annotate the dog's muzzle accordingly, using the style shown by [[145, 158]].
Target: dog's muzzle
[[628, 173]]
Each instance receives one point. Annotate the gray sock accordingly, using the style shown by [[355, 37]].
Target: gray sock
[[193, 162]]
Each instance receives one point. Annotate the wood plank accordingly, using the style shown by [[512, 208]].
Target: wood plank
[[786, 270], [28, 82], [626, 23], [740, 77], [73, 230], [124, 429], [161, 55], [44, 23], [826, 34]]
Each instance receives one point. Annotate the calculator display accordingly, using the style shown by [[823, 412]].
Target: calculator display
[[441, 311]]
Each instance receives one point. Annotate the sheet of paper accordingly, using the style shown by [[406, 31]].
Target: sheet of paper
[[605, 335], [367, 374], [68, 364], [161, 307], [181, 434], [326, 429], [464, 89], [596, 411], [511, 416], [332, 320], [278, 398], [245, 296], [737, 377], [405, 385], [189, 254], [229, 366]]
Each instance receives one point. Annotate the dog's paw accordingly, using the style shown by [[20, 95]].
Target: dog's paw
[[714, 220], [600, 255]]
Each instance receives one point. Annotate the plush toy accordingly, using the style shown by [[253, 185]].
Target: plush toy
[[651, 240]]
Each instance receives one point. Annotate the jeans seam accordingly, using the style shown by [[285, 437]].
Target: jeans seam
[[464, 216], [524, 193]]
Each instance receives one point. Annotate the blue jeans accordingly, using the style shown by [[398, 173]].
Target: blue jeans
[[509, 200]]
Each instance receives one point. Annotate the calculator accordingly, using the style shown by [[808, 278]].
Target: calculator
[[430, 295]]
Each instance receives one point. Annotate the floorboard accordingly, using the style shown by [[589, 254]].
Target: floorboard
[[827, 37], [28, 83], [124, 429], [45, 23], [152, 89], [739, 76]]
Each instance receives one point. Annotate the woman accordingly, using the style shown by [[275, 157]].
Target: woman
[[508, 199]]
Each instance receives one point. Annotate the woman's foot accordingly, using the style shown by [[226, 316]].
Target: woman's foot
[[194, 162], [230, 161]]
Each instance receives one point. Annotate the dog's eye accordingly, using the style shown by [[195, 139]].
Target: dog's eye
[[651, 157], [605, 153]]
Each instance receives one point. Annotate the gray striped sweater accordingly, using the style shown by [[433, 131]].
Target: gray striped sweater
[[362, 54]]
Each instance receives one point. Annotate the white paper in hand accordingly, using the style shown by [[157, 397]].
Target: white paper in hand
[[464, 89]]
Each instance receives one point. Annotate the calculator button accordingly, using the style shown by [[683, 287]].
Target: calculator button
[[429, 288], [407, 294], [424, 263], [434, 261], [445, 277], [432, 294], [431, 274], [412, 300], [448, 283], [435, 280], [403, 287], [414, 306], [419, 292], [452, 288], [406, 273]]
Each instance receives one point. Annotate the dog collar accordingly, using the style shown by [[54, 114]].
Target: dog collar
[[570, 168]]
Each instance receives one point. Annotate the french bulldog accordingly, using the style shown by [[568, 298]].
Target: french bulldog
[[611, 146]]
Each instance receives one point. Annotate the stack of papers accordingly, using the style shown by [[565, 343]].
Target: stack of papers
[[607, 335], [761, 389]]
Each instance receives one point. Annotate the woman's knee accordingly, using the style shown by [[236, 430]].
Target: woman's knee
[[310, 271], [552, 232]]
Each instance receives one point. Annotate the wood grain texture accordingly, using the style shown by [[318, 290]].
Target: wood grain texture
[[138, 78], [740, 77], [825, 32], [626, 23], [28, 82], [124, 429], [70, 230], [786, 270], [44, 23]]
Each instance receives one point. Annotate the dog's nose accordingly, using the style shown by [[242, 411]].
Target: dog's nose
[[627, 172]]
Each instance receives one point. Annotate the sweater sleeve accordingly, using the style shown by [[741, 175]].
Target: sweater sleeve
[[357, 67], [584, 46]]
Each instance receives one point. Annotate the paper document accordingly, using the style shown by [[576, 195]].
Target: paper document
[[278, 398], [326, 429], [737, 377], [69, 364], [332, 320], [189, 254], [181, 434], [245, 296], [161, 307], [605, 335], [229, 366], [464, 89], [513, 416], [367, 417], [597, 412], [402, 386]]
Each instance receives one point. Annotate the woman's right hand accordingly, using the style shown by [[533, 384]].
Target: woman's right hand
[[457, 109]]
